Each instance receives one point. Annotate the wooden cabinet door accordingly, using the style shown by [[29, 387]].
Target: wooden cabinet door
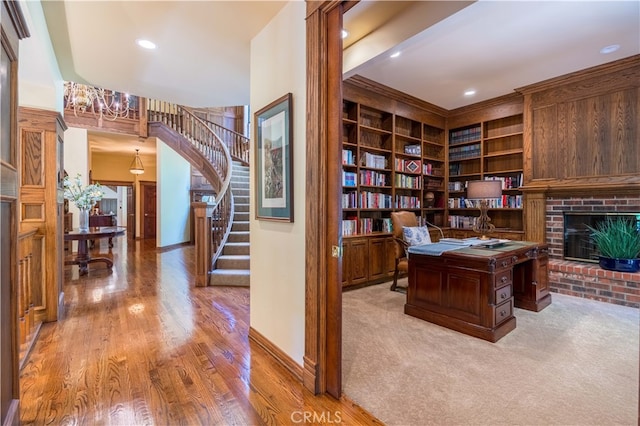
[[390, 256], [355, 261], [377, 258]]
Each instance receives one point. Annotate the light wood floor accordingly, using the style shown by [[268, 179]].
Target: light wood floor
[[141, 345]]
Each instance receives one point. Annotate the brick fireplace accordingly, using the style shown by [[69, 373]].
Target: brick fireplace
[[584, 279]]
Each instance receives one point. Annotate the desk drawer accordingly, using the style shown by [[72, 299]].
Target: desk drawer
[[502, 278], [503, 312], [502, 294]]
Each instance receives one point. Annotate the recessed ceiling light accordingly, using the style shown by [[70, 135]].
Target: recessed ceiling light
[[395, 54], [345, 33], [609, 49], [146, 44], [470, 92]]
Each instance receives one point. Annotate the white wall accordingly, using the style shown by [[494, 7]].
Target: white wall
[[76, 160], [173, 197], [278, 66], [39, 79]]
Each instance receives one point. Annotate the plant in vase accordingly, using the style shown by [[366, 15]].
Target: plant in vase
[[83, 197], [618, 242]]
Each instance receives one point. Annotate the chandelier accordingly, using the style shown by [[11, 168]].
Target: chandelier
[[108, 104]]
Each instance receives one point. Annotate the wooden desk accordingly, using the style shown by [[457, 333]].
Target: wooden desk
[[83, 258], [473, 290]]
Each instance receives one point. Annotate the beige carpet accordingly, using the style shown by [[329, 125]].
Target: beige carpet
[[574, 363]]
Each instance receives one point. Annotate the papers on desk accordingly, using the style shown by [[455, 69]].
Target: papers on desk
[[474, 241], [449, 244]]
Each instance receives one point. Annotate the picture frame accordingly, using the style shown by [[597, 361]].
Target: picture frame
[[274, 160]]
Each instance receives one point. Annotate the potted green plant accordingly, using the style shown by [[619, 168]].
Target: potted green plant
[[618, 242]]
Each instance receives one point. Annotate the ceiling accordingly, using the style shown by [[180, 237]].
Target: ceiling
[[448, 47]]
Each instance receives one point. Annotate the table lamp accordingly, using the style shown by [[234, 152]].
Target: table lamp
[[482, 190]]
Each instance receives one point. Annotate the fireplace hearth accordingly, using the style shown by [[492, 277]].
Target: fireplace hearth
[[573, 271]]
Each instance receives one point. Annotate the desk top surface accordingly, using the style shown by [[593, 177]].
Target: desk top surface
[[438, 249], [95, 233]]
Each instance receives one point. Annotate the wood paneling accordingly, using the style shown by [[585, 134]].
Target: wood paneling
[[32, 158], [41, 206], [585, 124]]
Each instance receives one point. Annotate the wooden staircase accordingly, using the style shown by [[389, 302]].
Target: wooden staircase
[[222, 157], [232, 267]]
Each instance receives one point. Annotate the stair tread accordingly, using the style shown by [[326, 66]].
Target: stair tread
[[234, 256]]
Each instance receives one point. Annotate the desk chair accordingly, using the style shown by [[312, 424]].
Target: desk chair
[[404, 238]]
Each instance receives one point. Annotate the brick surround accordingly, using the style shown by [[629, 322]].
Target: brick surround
[[584, 279]]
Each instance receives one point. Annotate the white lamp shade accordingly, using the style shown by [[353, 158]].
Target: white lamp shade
[[483, 189]]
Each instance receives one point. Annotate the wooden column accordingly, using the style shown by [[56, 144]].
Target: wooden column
[[41, 200], [202, 236], [535, 208]]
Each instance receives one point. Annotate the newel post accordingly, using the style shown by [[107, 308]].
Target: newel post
[[202, 234]]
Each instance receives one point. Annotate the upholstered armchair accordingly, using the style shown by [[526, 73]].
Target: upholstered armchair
[[399, 220], [406, 233]]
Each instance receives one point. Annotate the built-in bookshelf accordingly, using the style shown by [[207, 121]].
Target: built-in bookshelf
[[389, 162], [489, 150]]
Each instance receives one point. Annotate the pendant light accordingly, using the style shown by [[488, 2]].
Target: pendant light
[[136, 165]]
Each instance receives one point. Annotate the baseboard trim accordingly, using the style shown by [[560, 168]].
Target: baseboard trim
[[174, 246], [281, 357]]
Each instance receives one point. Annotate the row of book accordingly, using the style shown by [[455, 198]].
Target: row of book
[[348, 157], [373, 160], [372, 178], [408, 166], [430, 169], [464, 135], [463, 152], [508, 182], [464, 222], [503, 202], [406, 181], [413, 149], [349, 179], [350, 200], [354, 226], [375, 200], [407, 202]]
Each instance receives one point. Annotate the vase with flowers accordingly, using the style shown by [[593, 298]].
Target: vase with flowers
[[83, 197]]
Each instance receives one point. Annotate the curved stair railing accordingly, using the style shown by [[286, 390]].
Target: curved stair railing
[[238, 144], [194, 140]]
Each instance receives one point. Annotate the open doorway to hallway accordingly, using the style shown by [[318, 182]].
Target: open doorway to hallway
[[119, 201]]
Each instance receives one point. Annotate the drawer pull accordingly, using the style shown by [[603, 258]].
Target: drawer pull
[[503, 313], [504, 279], [505, 263], [514, 259], [503, 295]]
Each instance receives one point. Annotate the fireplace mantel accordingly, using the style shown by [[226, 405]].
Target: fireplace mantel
[[615, 185]]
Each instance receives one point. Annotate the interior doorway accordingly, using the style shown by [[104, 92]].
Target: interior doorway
[[120, 203]]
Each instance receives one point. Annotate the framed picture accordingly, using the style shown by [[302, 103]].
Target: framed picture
[[274, 160]]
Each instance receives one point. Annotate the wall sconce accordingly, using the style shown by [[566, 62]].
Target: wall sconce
[[482, 190], [136, 165]]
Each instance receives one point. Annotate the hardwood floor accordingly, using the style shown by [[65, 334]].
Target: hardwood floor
[[141, 345]]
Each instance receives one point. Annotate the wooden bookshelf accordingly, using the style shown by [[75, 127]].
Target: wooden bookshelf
[[490, 148]]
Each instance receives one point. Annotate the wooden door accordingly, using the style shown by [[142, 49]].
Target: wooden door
[[149, 210], [131, 212]]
